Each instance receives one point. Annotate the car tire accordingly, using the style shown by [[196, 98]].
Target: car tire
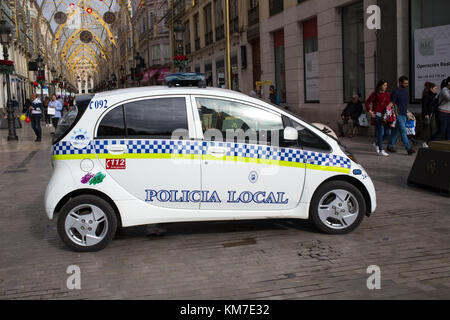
[[87, 223], [337, 207]]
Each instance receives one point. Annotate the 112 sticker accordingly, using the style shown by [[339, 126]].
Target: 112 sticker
[[116, 164]]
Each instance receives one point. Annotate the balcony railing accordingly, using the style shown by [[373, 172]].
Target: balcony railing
[[208, 38], [220, 33], [253, 16], [276, 6]]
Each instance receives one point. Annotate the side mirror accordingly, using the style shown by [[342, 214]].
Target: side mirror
[[290, 134]]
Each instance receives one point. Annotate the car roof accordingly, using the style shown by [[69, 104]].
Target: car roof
[[163, 90]]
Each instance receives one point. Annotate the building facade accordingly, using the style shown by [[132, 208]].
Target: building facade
[[31, 35], [204, 40], [319, 53]]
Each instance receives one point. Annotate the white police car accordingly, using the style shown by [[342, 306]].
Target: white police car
[[158, 155]]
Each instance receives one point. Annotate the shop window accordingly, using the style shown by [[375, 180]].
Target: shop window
[[430, 46]]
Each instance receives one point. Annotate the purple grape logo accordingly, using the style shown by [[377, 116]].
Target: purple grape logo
[[86, 178]]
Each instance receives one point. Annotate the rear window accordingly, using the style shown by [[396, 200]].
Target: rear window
[[70, 119], [147, 119], [155, 118]]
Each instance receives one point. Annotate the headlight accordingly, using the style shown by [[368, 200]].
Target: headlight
[[347, 152]]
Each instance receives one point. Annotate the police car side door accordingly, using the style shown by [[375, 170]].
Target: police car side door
[[242, 160], [145, 146]]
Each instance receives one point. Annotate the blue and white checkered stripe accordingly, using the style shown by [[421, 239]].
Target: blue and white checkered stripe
[[188, 147], [66, 148]]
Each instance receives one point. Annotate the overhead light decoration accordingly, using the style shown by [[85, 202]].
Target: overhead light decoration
[[86, 36], [60, 17], [89, 10], [72, 6], [109, 17]]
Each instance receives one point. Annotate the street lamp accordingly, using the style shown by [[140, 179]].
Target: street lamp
[[122, 71], [114, 80], [53, 72], [5, 35], [60, 84], [139, 62], [41, 73], [179, 35]]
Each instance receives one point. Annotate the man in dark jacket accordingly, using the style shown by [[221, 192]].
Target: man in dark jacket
[[429, 110], [350, 116], [36, 109]]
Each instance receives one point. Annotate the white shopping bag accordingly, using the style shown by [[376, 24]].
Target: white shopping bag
[[362, 120]]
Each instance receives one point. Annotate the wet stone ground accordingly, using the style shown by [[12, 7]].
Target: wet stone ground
[[408, 238]]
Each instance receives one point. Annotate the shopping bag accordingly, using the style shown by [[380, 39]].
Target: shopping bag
[[410, 127], [362, 120], [51, 111]]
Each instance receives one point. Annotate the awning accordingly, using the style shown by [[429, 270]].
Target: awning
[[162, 74]]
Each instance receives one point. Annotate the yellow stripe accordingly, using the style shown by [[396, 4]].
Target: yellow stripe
[[327, 168], [74, 156], [198, 157]]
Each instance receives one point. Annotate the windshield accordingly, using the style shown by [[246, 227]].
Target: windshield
[[324, 130]]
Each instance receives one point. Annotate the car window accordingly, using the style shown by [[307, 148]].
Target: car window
[[155, 118], [113, 124], [309, 140], [224, 120]]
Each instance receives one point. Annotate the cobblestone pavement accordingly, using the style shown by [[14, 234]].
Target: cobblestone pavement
[[408, 237]]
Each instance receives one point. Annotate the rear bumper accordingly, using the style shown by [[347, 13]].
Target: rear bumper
[[60, 184]]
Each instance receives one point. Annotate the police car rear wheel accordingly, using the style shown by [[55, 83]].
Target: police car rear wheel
[[87, 223], [338, 207]]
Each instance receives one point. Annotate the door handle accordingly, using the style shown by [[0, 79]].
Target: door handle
[[116, 149], [218, 151]]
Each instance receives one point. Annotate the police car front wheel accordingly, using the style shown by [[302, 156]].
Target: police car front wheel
[[337, 207], [87, 223]]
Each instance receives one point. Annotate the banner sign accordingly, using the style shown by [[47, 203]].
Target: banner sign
[[432, 56]]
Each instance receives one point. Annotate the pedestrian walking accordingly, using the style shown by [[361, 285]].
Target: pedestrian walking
[[376, 107], [429, 110], [55, 104], [443, 115], [36, 110], [399, 98], [46, 115], [349, 116]]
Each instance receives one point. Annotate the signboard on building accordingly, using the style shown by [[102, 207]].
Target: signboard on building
[[312, 76], [432, 56]]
